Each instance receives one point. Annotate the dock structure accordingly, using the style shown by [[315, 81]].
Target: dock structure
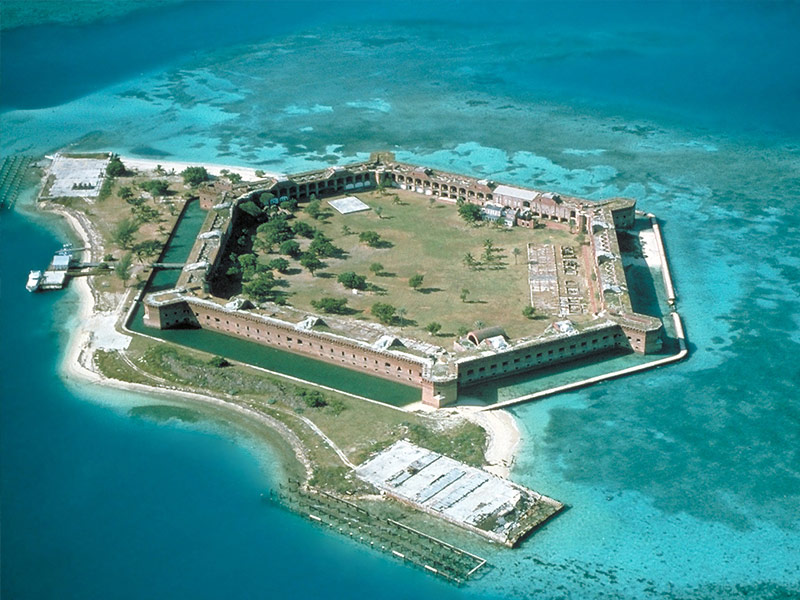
[[12, 172], [401, 542], [53, 280], [492, 506]]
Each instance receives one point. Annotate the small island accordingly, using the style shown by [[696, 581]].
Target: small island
[[343, 311]]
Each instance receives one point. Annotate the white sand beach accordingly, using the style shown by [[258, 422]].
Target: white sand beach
[[147, 165]]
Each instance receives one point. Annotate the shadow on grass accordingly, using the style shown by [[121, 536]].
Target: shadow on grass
[[429, 290], [323, 275], [376, 289], [280, 298], [345, 312]]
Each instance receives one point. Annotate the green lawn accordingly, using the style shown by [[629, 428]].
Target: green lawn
[[432, 240]]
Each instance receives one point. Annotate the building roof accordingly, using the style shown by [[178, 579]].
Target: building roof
[[515, 192], [478, 335], [61, 261]]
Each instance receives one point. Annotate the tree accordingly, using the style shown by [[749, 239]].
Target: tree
[[346, 230], [516, 252], [371, 238], [123, 268], [470, 261], [115, 167], [431, 202], [396, 200], [322, 246], [385, 313], [125, 192], [303, 229], [528, 312], [290, 247], [379, 211], [281, 265], [488, 251], [415, 281], [249, 265], [433, 328], [314, 209], [376, 268], [471, 213], [260, 173], [124, 231], [276, 230], [335, 306], [194, 175], [462, 331], [289, 205], [156, 187], [260, 287], [234, 177], [218, 362], [250, 208], [145, 249], [313, 398], [464, 294], [311, 262], [352, 281]]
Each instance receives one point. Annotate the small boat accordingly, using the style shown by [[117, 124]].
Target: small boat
[[34, 279]]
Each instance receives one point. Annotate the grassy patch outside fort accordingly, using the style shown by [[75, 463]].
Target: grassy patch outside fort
[[133, 215], [356, 426], [416, 237]]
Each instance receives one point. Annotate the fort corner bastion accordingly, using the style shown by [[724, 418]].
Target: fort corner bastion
[[565, 281]]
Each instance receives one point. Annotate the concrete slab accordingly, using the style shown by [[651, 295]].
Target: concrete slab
[[465, 495], [348, 204], [77, 177]]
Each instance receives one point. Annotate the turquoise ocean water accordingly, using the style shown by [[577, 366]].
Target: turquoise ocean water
[[682, 483]]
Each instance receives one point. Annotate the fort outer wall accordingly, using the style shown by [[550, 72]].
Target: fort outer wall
[[180, 311], [539, 354], [628, 331]]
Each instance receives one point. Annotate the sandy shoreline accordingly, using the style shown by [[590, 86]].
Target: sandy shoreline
[[503, 438], [97, 329], [149, 165]]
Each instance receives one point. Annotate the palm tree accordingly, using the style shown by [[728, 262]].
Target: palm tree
[[516, 252]]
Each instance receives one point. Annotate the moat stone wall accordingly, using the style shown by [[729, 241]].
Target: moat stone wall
[[183, 312], [335, 350]]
